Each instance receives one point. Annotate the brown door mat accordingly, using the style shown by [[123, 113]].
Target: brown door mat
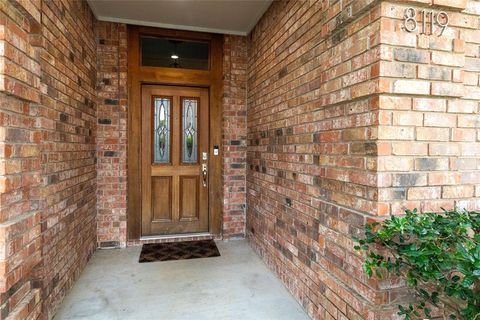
[[152, 252]]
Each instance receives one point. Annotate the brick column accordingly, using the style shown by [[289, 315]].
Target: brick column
[[112, 134], [428, 132], [234, 135], [20, 159]]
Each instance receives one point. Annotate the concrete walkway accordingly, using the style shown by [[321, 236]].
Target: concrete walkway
[[236, 285]]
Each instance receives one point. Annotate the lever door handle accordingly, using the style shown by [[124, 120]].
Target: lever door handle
[[204, 174]]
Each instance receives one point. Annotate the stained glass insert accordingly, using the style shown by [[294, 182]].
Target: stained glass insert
[[189, 134], [161, 133]]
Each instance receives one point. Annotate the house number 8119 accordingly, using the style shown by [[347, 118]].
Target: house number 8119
[[440, 19]]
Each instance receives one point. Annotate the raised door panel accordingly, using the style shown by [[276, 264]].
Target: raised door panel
[[189, 208], [162, 199]]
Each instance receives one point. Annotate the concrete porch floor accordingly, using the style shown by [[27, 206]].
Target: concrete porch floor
[[236, 285]]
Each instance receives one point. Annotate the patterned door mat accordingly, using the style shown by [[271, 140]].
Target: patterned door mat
[[152, 252]]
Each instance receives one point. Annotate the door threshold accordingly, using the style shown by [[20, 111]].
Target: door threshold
[[177, 236]]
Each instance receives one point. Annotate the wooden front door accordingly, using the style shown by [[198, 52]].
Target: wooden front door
[[174, 158]]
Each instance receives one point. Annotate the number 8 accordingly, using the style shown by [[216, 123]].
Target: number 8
[[410, 14]]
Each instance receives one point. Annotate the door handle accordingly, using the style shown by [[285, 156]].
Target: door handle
[[204, 174]]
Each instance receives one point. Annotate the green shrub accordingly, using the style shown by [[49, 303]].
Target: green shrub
[[437, 254]]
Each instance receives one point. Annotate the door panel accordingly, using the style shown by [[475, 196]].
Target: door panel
[[174, 155], [189, 198], [162, 198]]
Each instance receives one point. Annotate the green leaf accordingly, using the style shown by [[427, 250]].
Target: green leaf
[[368, 270], [467, 281], [428, 312], [477, 252]]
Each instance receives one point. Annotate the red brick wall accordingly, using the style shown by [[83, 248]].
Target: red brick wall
[[234, 135], [111, 134], [47, 143], [334, 138]]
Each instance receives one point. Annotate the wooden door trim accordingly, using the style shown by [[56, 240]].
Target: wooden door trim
[[138, 76]]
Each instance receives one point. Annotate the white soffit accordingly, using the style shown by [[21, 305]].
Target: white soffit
[[215, 16]]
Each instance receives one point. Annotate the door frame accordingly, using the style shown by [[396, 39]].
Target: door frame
[[139, 75]]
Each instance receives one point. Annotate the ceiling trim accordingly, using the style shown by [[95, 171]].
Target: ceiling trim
[[170, 26]]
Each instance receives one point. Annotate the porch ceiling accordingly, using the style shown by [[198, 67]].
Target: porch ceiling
[[219, 16]]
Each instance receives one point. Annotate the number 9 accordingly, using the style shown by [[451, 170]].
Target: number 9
[[445, 21]]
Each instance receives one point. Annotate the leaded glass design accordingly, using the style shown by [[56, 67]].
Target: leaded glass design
[[161, 127], [189, 134]]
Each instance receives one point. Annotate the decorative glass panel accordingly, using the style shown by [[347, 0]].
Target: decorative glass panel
[[161, 131], [189, 120]]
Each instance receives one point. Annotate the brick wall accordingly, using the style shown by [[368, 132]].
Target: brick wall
[[111, 134], [234, 135], [47, 143], [342, 109]]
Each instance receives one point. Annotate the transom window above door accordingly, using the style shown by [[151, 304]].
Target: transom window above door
[[174, 53]]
